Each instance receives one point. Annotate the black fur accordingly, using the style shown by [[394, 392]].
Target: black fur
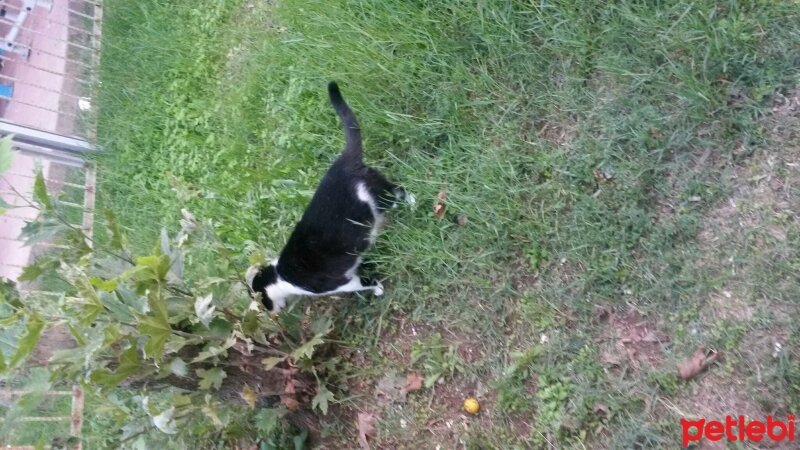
[[264, 278], [335, 229]]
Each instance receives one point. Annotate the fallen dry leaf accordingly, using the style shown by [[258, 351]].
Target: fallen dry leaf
[[688, 368], [289, 387], [438, 207], [366, 428], [413, 382], [290, 403], [600, 408], [655, 133]]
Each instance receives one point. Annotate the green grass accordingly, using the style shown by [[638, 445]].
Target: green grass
[[516, 110]]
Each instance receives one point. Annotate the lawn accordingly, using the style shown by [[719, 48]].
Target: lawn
[[624, 168]]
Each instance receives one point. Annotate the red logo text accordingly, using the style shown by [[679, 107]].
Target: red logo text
[[737, 429]]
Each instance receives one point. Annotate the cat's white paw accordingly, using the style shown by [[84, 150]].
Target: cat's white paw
[[378, 289], [410, 199]]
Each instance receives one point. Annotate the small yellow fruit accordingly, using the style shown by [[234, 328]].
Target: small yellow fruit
[[471, 406]]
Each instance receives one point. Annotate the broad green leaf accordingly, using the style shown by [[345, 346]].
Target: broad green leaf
[[90, 312], [300, 440], [42, 266], [249, 396], [322, 325], [257, 258], [134, 301], [321, 399], [10, 320], [175, 344], [430, 380], [31, 272], [9, 293], [119, 310], [268, 419], [40, 192], [165, 246], [77, 240], [204, 309], [211, 377], [130, 364], [220, 327], [2, 362], [176, 265], [5, 206], [307, 350], [250, 323], [75, 356], [291, 324], [104, 285], [157, 332], [158, 305], [178, 367], [212, 350], [181, 400], [271, 362], [6, 155], [211, 413], [91, 306], [118, 239], [164, 421], [34, 327], [76, 334], [157, 264], [43, 229]]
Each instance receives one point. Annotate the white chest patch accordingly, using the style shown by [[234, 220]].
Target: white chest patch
[[363, 194]]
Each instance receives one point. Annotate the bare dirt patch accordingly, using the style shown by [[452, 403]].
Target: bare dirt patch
[[633, 341], [426, 416], [745, 239]]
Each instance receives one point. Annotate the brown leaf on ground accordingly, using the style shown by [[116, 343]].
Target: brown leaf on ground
[[439, 206], [701, 359], [289, 387], [413, 382], [290, 403], [366, 429], [601, 409]]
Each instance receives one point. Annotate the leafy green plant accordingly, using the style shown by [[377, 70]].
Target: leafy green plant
[[537, 255], [437, 358], [552, 394], [512, 387], [152, 324]]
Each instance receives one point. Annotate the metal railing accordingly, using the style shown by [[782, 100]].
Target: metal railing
[[49, 55]]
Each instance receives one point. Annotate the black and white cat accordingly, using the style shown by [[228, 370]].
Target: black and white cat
[[324, 251]]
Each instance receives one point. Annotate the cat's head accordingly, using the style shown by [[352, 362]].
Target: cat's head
[[259, 278]]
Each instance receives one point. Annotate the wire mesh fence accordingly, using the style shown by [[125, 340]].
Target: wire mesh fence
[[48, 64], [49, 53]]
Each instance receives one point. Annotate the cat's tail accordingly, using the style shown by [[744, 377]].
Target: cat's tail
[[352, 132]]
